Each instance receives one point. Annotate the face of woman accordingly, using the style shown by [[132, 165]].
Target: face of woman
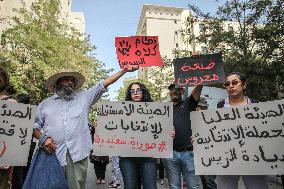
[[234, 86], [136, 93]]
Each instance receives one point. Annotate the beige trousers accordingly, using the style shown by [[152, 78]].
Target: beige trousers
[[76, 173]]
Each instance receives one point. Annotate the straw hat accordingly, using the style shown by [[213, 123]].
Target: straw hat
[[51, 81]]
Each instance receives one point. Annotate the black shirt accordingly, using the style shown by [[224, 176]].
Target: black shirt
[[182, 124]]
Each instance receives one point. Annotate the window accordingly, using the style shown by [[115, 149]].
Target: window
[[188, 31], [201, 28], [230, 28], [160, 13], [176, 32], [175, 21], [176, 45], [77, 20], [204, 50]]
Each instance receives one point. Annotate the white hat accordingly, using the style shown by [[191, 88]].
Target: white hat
[[51, 81]]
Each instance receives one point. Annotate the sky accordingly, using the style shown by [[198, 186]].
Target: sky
[[106, 19]]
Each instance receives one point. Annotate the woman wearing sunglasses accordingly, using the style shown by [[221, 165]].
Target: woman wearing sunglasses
[[236, 86], [132, 166]]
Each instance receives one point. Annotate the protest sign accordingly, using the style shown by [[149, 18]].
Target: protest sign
[[134, 129], [138, 50], [246, 140], [16, 130], [199, 70]]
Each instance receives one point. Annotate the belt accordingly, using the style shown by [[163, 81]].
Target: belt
[[189, 148]]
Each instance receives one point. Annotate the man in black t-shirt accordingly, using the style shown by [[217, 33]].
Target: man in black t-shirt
[[182, 163]]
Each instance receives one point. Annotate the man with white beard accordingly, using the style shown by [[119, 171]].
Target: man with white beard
[[63, 118]]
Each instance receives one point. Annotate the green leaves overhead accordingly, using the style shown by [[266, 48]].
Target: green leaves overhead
[[250, 35], [39, 42]]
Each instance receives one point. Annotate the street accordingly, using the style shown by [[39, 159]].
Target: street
[[91, 180]]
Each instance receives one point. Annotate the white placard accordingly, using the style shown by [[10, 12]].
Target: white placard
[[134, 129], [246, 140], [16, 128]]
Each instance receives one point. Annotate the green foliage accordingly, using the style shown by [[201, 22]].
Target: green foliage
[[254, 47], [39, 43], [162, 77]]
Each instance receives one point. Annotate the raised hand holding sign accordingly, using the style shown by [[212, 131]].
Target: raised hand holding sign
[[199, 70]]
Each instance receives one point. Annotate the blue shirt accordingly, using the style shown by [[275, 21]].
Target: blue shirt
[[67, 122]]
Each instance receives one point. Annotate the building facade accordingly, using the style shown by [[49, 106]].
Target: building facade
[[166, 22], [74, 19]]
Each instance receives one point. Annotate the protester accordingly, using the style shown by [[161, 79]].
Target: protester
[[20, 172], [131, 166], [236, 86], [182, 163], [63, 118], [5, 171], [161, 170], [208, 181], [116, 178], [100, 162]]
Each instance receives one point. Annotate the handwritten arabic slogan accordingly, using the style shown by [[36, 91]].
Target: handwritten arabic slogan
[[138, 50], [199, 70], [245, 140], [134, 129], [16, 125]]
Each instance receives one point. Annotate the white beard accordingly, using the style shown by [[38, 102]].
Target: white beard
[[66, 92]]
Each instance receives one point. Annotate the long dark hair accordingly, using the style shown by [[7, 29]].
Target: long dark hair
[[4, 75], [241, 76], [146, 96]]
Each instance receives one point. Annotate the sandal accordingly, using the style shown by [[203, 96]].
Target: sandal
[[98, 181], [103, 181]]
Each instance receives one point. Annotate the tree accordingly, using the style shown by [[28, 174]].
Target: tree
[[250, 35], [162, 77], [39, 43]]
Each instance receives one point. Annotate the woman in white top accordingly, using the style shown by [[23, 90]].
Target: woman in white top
[[236, 86]]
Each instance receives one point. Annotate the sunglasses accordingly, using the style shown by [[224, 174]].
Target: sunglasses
[[227, 84], [138, 91]]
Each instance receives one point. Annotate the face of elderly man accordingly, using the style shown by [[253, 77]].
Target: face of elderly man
[[65, 87]]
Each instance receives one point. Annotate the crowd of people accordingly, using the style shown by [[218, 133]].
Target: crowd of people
[[61, 124]]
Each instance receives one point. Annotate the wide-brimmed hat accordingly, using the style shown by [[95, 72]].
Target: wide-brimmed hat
[[203, 102], [51, 81]]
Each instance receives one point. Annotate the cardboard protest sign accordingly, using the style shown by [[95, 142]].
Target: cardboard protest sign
[[134, 129], [199, 70], [16, 130], [246, 140], [138, 50]]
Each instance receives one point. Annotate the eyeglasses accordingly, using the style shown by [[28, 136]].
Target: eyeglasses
[[227, 84], [138, 91]]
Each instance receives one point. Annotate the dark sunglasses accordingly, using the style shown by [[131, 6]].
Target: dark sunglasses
[[227, 84], [138, 91]]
